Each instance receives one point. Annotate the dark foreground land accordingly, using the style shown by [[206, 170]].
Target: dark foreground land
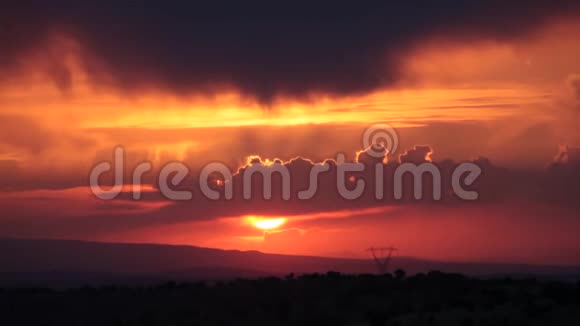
[[329, 299]]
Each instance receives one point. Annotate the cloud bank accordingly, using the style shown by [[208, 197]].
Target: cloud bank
[[264, 50]]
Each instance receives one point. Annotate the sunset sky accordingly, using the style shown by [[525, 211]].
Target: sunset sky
[[492, 82]]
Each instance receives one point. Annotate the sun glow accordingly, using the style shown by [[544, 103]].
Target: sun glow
[[265, 223]]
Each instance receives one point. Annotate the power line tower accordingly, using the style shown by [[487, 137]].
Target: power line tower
[[382, 257]]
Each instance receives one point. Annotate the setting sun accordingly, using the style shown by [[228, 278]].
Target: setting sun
[[265, 223]]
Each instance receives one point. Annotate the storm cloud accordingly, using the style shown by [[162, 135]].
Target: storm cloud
[[263, 50]]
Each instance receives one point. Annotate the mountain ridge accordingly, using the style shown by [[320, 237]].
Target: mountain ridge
[[46, 262]]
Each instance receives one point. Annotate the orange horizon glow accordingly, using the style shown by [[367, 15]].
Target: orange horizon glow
[[508, 101]]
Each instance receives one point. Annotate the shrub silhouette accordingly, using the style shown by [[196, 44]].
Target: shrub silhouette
[[400, 274], [333, 299]]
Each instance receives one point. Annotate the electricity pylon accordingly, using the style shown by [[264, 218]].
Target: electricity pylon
[[382, 257]]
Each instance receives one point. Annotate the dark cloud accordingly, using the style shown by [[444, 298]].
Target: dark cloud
[[263, 49], [417, 155], [555, 187]]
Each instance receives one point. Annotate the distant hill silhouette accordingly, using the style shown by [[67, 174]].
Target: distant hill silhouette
[[70, 263]]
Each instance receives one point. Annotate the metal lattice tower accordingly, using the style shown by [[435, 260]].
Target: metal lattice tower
[[382, 257]]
